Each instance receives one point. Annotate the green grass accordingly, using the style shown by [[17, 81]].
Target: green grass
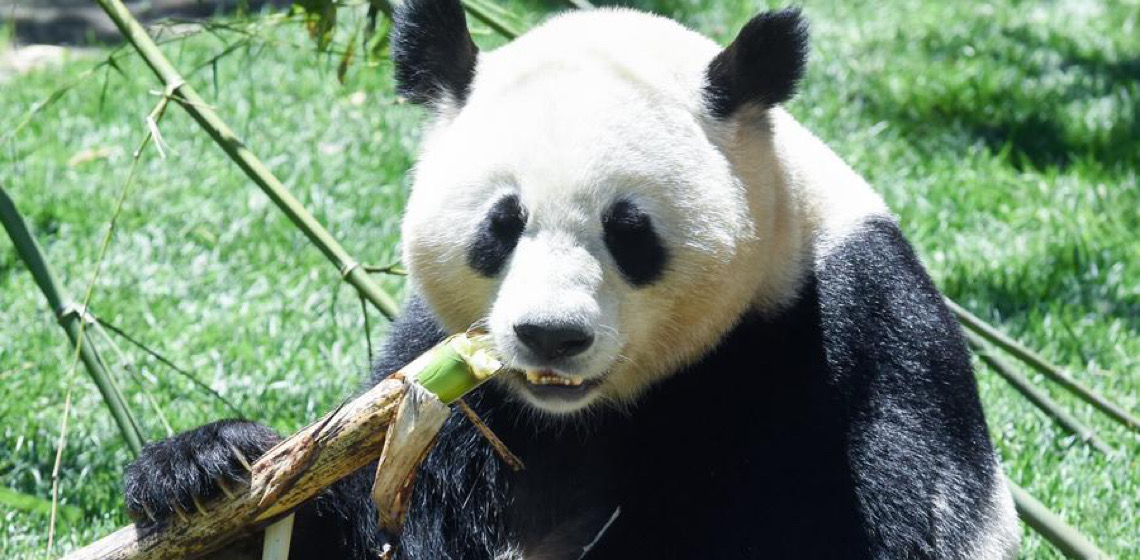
[[1006, 137]]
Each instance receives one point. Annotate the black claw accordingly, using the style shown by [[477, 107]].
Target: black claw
[[181, 474]]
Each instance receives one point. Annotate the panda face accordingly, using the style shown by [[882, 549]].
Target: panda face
[[576, 198]]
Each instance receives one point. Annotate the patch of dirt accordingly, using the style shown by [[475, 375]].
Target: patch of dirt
[[17, 60]]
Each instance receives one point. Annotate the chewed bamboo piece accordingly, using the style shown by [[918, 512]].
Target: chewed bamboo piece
[[344, 441], [446, 373]]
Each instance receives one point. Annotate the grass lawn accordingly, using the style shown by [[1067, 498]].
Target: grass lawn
[[1005, 135]]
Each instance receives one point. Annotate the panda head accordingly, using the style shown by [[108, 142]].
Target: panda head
[[597, 193]]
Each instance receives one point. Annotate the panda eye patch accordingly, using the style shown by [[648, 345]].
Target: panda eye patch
[[498, 234], [636, 247]]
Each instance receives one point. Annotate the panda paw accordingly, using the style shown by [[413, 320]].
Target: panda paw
[[180, 474]]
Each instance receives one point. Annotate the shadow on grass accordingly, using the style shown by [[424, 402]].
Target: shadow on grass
[[1025, 90], [1064, 274], [1043, 101]]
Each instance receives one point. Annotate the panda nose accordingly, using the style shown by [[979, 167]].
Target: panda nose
[[550, 342]]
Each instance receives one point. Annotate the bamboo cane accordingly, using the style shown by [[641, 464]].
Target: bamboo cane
[[348, 439], [344, 441], [1037, 396], [1060, 534], [69, 316], [1059, 376], [253, 167]]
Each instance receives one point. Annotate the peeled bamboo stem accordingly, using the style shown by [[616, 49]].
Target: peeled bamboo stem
[[277, 539], [285, 477]]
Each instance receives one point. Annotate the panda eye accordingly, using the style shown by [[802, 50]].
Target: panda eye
[[498, 234], [636, 247]]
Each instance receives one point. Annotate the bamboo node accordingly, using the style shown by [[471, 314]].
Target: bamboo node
[[77, 309], [347, 269]]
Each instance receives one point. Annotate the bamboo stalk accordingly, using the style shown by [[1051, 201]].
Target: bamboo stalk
[[295, 470], [1049, 525], [342, 442], [1047, 369], [1037, 396], [253, 167], [69, 317], [277, 539]]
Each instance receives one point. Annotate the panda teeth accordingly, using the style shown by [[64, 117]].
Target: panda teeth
[[545, 377]]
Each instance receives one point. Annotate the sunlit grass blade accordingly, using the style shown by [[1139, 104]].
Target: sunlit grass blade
[[492, 16], [34, 504]]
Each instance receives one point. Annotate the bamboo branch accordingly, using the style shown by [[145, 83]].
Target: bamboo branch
[[1034, 360], [170, 364], [1037, 396], [1060, 534], [70, 318], [253, 167]]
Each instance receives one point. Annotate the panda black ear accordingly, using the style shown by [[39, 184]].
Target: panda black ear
[[761, 66], [433, 51]]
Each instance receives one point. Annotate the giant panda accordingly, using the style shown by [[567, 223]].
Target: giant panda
[[721, 345]]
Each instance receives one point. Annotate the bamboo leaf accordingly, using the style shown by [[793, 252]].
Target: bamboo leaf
[[349, 55], [320, 20]]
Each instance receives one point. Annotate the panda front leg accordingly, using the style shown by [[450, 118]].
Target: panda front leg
[[182, 473]]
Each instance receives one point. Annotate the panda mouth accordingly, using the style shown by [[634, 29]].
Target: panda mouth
[[548, 377], [545, 383]]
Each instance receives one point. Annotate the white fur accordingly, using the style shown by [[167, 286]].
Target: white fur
[[999, 534], [596, 105]]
